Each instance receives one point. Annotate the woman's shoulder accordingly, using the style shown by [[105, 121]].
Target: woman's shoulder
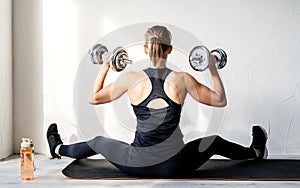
[[180, 74], [132, 75], [182, 77], [135, 73]]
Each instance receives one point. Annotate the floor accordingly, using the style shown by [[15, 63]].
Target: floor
[[48, 174]]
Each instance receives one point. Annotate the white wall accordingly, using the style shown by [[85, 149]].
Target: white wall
[[261, 38], [6, 132], [28, 73]]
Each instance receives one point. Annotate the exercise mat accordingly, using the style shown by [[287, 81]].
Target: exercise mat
[[250, 170]]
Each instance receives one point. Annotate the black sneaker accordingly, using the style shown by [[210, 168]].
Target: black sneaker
[[53, 139], [259, 140]]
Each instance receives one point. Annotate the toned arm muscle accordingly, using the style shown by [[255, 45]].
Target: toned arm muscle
[[212, 97], [114, 90]]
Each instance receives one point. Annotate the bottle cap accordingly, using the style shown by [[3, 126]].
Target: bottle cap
[[26, 142]]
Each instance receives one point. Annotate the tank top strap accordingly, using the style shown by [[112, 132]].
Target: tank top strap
[[158, 73], [157, 78]]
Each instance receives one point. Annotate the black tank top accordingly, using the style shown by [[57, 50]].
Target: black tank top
[[156, 125]]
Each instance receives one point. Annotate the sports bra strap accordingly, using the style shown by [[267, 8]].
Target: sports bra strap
[[157, 78]]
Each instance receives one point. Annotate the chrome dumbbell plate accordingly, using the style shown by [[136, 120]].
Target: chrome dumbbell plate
[[96, 53], [119, 59], [199, 58], [221, 56]]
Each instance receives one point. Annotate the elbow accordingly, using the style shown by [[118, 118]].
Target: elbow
[[219, 100], [223, 102], [93, 100], [223, 99], [97, 99]]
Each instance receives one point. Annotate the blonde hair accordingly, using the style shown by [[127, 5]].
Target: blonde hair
[[158, 39]]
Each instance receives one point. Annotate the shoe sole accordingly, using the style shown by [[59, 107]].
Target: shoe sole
[[52, 127], [266, 136], [265, 154]]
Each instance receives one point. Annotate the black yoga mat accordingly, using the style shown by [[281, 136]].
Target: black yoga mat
[[275, 170]]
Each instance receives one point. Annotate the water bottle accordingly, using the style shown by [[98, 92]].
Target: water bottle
[[27, 157]]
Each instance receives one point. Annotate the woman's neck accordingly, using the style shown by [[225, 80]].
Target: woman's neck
[[159, 64]]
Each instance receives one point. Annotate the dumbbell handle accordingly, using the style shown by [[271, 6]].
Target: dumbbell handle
[[126, 61]]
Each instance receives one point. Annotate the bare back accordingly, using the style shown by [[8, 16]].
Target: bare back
[[142, 86]]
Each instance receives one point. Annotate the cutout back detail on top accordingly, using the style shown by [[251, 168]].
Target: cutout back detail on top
[[157, 94], [156, 125]]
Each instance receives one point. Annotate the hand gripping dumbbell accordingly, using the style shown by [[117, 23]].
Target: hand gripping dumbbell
[[199, 58], [118, 59]]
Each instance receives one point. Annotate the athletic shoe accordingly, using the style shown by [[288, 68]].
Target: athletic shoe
[[53, 139], [259, 139]]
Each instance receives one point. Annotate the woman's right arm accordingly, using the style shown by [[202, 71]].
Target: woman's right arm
[[212, 97], [114, 90]]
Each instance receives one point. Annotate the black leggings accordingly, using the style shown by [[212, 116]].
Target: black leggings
[[185, 162]]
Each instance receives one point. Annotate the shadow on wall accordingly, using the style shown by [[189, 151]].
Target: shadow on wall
[[257, 77]]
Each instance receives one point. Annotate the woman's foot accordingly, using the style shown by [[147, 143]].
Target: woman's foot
[[259, 140], [54, 139]]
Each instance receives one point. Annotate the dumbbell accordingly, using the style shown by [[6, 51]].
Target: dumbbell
[[118, 59], [199, 58]]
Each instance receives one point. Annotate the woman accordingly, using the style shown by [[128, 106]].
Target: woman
[[157, 95]]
